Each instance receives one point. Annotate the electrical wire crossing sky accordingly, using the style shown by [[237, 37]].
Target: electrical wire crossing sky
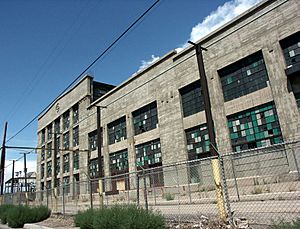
[[48, 44]]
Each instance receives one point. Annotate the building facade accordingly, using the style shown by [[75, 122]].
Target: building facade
[[157, 116]]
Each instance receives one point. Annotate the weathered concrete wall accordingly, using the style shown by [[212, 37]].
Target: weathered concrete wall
[[259, 29]]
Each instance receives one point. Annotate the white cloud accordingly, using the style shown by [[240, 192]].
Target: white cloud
[[146, 63], [213, 21], [19, 166], [219, 17]]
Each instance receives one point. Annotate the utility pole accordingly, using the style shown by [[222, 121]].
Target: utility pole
[[99, 141], [100, 175], [13, 177], [25, 173], [2, 163], [211, 133]]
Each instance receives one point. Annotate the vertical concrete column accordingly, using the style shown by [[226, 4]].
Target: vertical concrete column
[[105, 154], [131, 149], [84, 144], [218, 110], [283, 96]]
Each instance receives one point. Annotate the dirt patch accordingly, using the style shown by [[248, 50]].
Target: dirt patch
[[58, 221]]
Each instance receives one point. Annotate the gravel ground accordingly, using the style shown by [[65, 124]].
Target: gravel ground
[[58, 221]]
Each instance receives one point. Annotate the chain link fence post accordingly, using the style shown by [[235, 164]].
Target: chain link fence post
[[63, 199], [145, 190], [226, 194], [91, 192], [234, 177], [296, 163], [137, 189]]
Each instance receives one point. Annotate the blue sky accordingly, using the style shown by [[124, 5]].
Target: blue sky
[[46, 44]]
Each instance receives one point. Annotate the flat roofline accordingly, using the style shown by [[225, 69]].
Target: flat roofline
[[64, 94], [254, 9], [134, 76]]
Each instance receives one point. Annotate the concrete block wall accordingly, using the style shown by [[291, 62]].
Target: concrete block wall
[[259, 29]]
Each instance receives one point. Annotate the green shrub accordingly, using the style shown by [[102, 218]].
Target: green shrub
[[17, 216], [3, 213], [286, 225], [84, 220], [120, 216], [169, 196]]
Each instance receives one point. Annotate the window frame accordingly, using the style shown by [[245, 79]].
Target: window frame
[[117, 130], [244, 76], [142, 122]]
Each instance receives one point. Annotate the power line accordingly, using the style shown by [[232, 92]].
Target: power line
[[88, 67], [54, 54]]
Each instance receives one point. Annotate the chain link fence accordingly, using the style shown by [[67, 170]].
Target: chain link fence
[[260, 186]]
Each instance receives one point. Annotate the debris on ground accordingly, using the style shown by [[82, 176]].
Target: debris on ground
[[58, 221]]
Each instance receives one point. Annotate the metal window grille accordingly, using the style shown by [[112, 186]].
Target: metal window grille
[[145, 118], [76, 136], [192, 99], [244, 76], [66, 161], [117, 130], [256, 127]]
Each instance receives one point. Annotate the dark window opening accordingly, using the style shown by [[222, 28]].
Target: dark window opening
[[66, 138], [117, 130], [93, 139], [145, 118], [76, 160], [49, 150], [57, 166], [66, 120], [291, 52], [42, 171], [66, 161], [76, 136], [49, 132], [75, 114], [57, 126], [49, 169], [244, 77], [192, 99]]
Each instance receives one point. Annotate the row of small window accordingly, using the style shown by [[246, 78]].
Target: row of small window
[[148, 155], [66, 165], [65, 122], [144, 119], [66, 143], [256, 127], [240, 78], [66, 184]]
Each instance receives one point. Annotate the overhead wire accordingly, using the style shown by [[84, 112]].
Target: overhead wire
[[88, 67], [54, 55]]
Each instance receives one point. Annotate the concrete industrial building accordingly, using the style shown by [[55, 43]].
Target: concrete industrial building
[[157, 116]]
